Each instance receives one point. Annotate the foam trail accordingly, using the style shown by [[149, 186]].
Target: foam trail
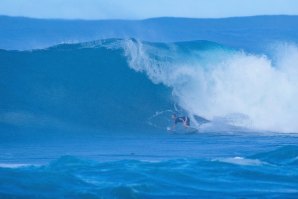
[[247, 90]]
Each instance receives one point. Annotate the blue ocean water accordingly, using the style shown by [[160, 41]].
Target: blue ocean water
[[89, 120], [166, 166]]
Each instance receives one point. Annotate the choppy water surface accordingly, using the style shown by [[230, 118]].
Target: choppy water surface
[[160, 166]]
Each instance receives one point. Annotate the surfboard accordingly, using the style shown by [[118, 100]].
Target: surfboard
[[189, 130]]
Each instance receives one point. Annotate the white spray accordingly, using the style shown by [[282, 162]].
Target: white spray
[[219, 83]]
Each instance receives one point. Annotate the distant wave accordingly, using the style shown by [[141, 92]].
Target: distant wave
[[251, 33]]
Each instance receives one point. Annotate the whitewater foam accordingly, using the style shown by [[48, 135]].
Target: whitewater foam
[[240, 161], [14, 165], [258, 92]]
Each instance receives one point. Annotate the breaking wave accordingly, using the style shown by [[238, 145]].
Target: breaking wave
[[106, 83], [224, 85]]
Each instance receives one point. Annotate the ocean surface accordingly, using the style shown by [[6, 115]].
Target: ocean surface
[[89, 120], [206, 165]]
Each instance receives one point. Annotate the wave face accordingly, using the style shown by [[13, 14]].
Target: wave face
[[235, 177], [120, 85], [76, 87]]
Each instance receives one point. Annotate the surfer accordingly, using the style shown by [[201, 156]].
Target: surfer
[[184, 120]]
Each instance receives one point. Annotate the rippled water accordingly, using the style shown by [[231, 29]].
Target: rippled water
[[160, 166]]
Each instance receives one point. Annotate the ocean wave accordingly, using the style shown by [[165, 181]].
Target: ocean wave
[[287, 155], [71, 177], [103, 84]]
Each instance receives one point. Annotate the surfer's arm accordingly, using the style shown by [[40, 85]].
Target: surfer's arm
[[185, 123]]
